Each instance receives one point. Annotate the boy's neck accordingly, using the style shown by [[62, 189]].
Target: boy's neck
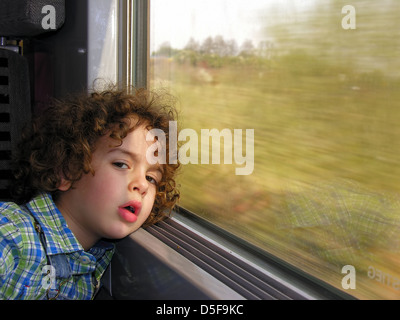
[[85, 239]]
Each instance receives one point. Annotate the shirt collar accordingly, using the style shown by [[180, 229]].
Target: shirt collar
[[59, 238]]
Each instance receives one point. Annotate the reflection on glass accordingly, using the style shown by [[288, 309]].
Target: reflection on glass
[[318, 83]]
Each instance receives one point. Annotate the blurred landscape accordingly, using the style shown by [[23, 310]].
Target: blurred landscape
[[324, 103]]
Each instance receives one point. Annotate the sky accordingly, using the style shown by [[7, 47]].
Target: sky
[[176, 21]]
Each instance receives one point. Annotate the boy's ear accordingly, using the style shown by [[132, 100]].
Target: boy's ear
[[64, 185]]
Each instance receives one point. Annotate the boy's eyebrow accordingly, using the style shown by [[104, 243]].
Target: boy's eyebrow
[[134, 156], [120, 149]]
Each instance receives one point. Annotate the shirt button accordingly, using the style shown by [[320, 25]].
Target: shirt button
[[84, 259]]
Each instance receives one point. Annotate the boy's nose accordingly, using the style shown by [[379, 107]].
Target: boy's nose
[[139, 184]]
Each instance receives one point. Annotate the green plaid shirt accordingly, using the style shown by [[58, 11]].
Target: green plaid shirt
[[66, 271]]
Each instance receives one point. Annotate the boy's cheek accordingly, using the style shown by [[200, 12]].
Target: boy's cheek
[[146, 213]]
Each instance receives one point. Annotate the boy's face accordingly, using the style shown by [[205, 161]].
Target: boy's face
[[118, 199]]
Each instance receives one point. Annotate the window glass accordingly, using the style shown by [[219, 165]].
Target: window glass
[[304, 102], [102, 40]]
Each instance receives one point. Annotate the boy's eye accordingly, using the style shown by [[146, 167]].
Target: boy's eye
[[151, 180], [120, 165]]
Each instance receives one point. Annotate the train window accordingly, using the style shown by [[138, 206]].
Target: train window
[[102, 40], [289, 128]]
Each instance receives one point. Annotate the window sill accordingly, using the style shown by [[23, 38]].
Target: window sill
[[185, 257]]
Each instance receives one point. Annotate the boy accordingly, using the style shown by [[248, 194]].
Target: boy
[[82, 179]]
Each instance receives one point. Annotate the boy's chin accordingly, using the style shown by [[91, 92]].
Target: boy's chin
[[120, 232]]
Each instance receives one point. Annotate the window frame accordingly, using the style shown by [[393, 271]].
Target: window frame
[[134, 44]]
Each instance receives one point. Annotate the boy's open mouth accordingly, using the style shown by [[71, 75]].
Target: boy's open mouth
[[130, 211]]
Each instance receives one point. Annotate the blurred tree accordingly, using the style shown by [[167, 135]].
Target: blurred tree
[[192, 45], [247, 48], [165, 50]]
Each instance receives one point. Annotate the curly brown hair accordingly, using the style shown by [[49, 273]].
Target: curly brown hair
[[60, 142]]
